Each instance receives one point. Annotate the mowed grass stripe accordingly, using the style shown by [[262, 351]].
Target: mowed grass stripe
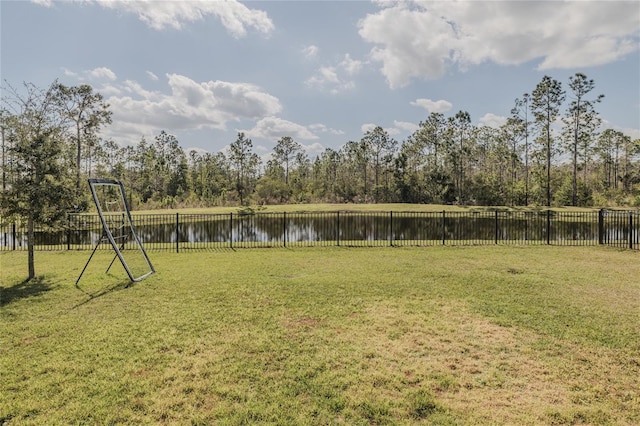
[[441, 335]]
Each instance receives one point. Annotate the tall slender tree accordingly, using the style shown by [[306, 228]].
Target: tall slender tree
[[284, 152], [87, 112], [430, 136], [379, 144], [581, 122], [460, 126], [546, 100], [512, 133], [520, 114], [245, 163]]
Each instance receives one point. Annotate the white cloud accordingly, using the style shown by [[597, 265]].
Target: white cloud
[[261, 150], [367, 127], [110, 90], [274, 128], [159, 15], [629, 131], [327, 79], [152, 76], [45, 3], [492, 120], [102, 73], [313, 149], [393, 131], [189, 105], [405, 126], [424, 39], [632, 133], [432, 106], [336, 79], [310, 51], [351, 66], [324, 129], [133, 87], [329, 74], [69, 73]]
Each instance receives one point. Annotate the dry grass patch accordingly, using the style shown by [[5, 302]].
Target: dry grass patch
[[482, 373]]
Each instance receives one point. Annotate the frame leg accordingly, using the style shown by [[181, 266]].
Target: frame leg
[[87, 264], [115, 257]]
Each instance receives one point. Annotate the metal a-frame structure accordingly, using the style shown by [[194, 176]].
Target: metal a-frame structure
[[125, 232]]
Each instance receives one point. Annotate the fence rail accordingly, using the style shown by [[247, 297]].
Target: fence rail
[[180, 232]]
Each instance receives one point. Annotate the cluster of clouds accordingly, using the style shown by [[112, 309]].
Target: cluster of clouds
[[410, 40], [423, 39], [160, 15], [416, 39], [333, 78], [191, 105]]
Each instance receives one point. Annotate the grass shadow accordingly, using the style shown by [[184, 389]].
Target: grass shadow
[[24, 290], [92, 295]]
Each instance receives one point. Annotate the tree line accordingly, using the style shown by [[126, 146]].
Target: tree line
[[550, 151]]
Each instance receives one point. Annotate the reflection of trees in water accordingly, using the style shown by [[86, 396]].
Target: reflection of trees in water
[[160, 230]]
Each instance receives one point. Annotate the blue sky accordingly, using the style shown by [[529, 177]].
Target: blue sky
[[322, 72]]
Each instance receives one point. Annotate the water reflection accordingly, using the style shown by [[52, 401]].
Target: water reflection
[[160, 231]]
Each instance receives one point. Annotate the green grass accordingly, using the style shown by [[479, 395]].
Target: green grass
[[440, 335]]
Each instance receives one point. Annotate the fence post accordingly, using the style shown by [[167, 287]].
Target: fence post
[[338, 228], [601, 226], [68, 231], [391, 228], [548, 227], [231, 230], [284, 228], [496, 235], [177, 232], [630, 230], [444, 236], [13, 235]]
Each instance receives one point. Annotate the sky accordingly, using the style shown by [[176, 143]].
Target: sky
[[322, 72]]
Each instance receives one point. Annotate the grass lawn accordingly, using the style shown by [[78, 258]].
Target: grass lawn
[[439, 335]]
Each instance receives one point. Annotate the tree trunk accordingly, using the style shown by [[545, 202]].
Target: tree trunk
[[574, 187], [4, 162], [78, 157], [30, 241], [548, 159], [286, 172], [377, 172]]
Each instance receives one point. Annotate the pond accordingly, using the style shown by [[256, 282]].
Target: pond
[[347, 228]]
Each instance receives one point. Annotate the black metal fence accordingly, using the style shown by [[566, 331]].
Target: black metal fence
[[180, 232]]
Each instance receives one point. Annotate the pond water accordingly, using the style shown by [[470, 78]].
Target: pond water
[[158, 231]]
